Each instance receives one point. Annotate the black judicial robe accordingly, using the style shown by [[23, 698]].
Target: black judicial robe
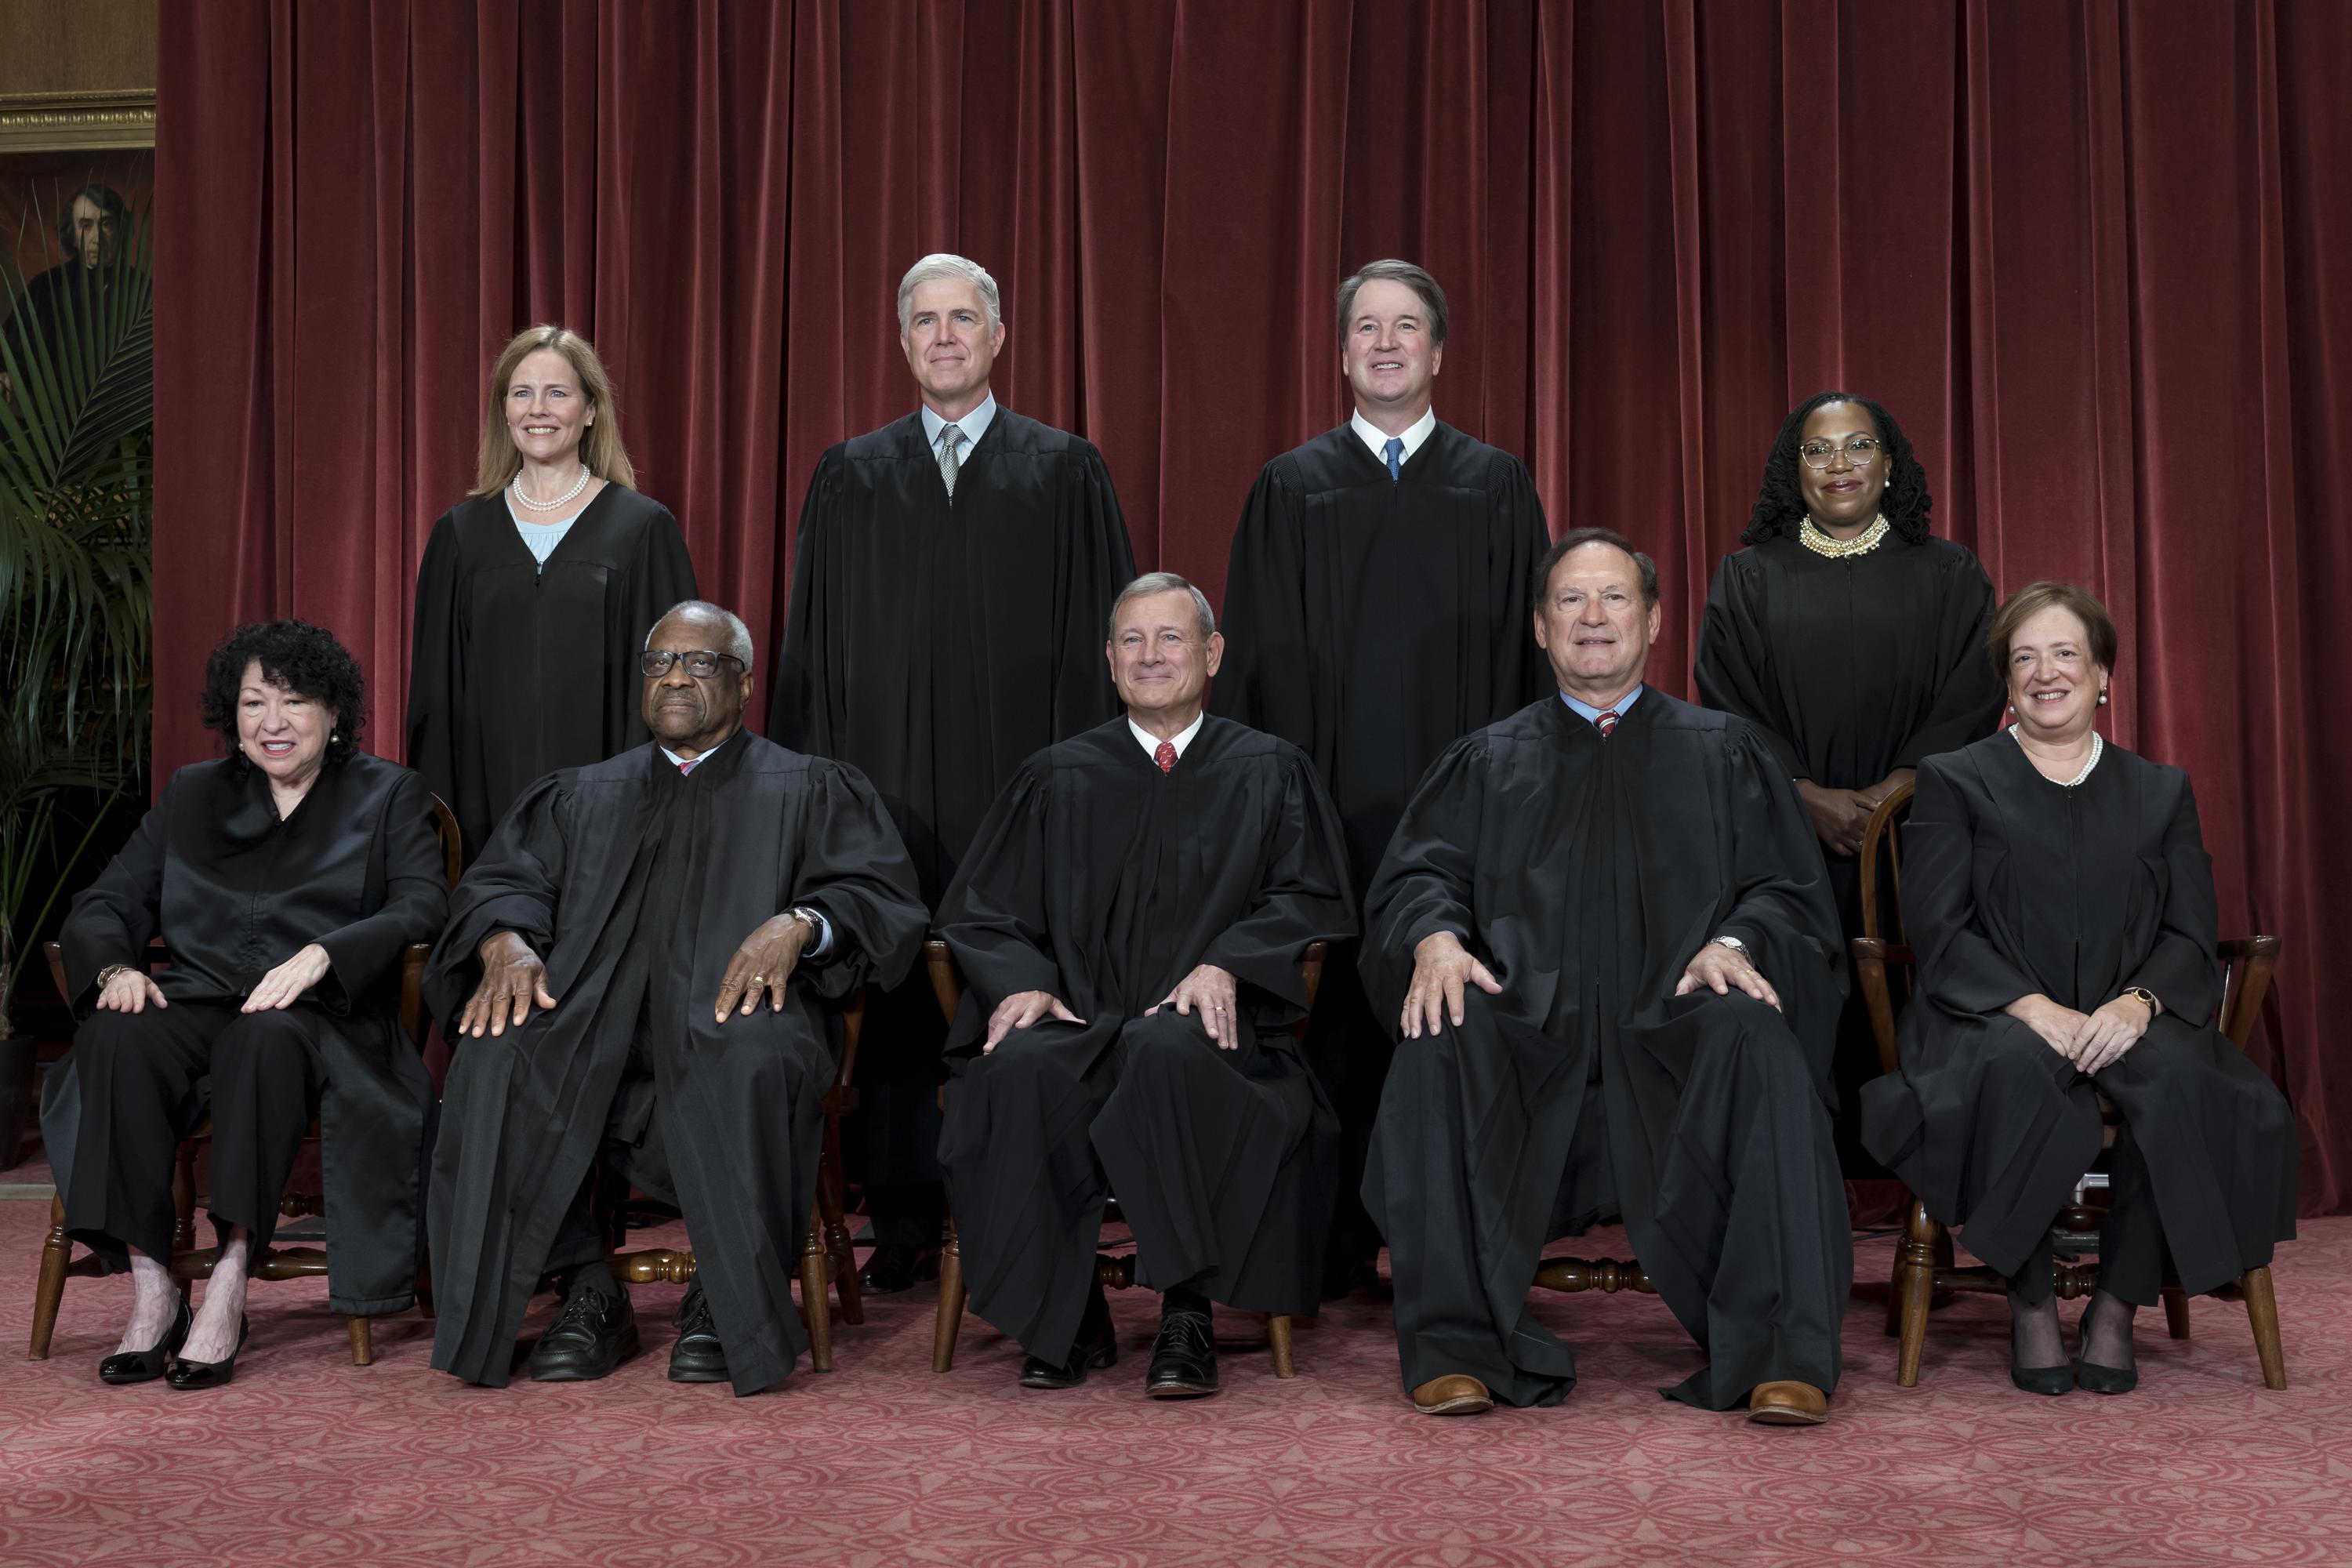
[[1852, 668], [516, 672], [234, 892], [1371, 623], [635, 885], [934, 645], [1102, 881], [1586, 872], [2014, 884]]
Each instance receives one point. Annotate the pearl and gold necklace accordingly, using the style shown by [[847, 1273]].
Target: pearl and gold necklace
[[1809, 534], [562, 501]]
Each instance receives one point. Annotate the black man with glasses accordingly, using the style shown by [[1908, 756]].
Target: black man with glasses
[[633, 975], [1853, 638]]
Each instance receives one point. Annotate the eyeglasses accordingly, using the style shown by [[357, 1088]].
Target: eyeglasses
[[701, 663], [1858, 451], [1169, 641]]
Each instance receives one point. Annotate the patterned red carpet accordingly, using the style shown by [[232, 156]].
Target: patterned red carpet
[[307, 1460]]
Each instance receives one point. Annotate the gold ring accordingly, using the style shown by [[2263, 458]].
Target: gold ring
[[759, 979]]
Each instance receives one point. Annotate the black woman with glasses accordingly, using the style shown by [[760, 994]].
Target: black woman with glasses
[[1853, 638], [536, 591]]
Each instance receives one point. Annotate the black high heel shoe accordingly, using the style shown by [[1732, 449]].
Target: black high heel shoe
[[2039, 1378], [147, 1366], [207, 1374], [2093, 1378]]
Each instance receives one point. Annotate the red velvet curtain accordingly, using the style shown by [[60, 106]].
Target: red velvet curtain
[[2083, 249]]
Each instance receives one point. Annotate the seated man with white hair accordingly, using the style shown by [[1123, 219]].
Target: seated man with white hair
[[1129, 921], [633, 970]]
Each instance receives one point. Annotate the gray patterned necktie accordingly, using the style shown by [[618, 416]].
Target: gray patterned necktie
[[950, 438]]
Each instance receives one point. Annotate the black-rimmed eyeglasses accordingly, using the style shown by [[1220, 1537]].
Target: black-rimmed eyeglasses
[[701, 663]]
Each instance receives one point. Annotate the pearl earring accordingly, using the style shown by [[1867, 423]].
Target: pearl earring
[[2103, 699]]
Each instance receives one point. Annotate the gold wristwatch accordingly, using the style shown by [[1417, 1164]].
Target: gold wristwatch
[[2155, 1007]]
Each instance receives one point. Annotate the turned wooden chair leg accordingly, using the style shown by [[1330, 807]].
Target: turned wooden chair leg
[[1278, 1330], [362, 1342], [1916, 1275], [2176, 1311], [837, 1243], [814, 1312], [51, 1292], [1894, 1293], [950, 1321], [2261, 1307]]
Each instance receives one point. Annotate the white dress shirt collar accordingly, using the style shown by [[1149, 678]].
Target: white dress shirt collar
[[1592, 715], [1373, 437], [974, 424], [1150, 742], [677, 762]]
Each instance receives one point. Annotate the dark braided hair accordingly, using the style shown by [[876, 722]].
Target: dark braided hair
[[1780, 501], [306, 660]]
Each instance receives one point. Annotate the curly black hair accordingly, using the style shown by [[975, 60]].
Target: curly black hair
[[304, 659], [1780, 501]]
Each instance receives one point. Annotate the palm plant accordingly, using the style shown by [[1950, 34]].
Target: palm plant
[[76, 471]]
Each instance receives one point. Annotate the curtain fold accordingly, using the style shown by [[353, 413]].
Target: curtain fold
[[2090, 254]]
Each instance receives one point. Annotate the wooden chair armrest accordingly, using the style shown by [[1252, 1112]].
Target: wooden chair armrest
[[946, 985], [1871, 957], [2241, 996]]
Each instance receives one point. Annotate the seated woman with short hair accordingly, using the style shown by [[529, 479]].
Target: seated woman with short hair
[[286, 880], [2061, 901]]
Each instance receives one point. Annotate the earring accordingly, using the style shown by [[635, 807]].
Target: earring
[[2103, 698]]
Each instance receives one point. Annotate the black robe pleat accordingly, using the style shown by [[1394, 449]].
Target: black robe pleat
[[1852, 668], [934, 645], [234, 892], [2013, 884], [1102, 881], [1586, 873], [517, 671], [1371, 623], [637, 885]]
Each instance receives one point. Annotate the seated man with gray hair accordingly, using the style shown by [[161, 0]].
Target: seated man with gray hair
[[634, 971], [1130, 921]]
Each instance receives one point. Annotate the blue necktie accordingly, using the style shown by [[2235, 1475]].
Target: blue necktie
[[1395, 453]]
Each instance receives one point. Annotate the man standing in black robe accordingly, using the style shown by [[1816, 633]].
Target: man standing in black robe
[[1614, 900], [648, 907], [951, 570], [1130, 922], [1378, 601]]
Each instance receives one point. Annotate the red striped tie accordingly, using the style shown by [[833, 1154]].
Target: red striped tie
[[1606, 723], [1166, 756], [689, 765]]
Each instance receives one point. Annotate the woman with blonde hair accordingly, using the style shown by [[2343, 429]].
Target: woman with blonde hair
[[536, 590]]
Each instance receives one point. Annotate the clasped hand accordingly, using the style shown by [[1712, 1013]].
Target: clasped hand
[[1441, 967], [1211, 992], [1719, 969], [2090, 1040]]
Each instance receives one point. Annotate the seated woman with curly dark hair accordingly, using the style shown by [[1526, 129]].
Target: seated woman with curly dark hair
[[286, 879]]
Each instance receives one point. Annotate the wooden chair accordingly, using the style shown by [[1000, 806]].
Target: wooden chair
[[1923, 1262], [825, 1249], [1113, 1270], [189, 1262]]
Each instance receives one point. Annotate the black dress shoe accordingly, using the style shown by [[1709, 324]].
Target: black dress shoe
[[1097, 1348], [147, 1366], [1184, 1359], [893, 1267], [593, 1334], [2093, 1378], [1344, 1276], [207, 1374], [2038, 1379], [698, 1356]]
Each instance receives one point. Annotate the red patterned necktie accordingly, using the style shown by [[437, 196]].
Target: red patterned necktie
[[1606, 723], [688, 767], [1166, 756]]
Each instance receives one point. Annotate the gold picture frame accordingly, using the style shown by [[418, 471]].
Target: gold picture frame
[[72, 121]]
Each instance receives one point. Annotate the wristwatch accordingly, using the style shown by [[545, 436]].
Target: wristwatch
[[106, 976], [1733, 942], [816, 922], [2155, 1007]]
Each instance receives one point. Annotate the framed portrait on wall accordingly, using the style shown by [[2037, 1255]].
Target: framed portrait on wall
[[77, 181]]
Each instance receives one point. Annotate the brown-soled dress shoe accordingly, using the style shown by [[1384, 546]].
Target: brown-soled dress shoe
[[1788, 1403], [1457, 1394]]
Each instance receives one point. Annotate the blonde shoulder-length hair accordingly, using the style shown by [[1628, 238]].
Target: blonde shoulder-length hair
[[600, 446]]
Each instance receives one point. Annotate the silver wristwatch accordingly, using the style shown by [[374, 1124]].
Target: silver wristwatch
[[816, 921], [1733, 942]]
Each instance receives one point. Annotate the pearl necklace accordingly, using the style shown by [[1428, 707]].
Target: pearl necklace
[[2097, 746], [1809, 534], [564, 500]]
